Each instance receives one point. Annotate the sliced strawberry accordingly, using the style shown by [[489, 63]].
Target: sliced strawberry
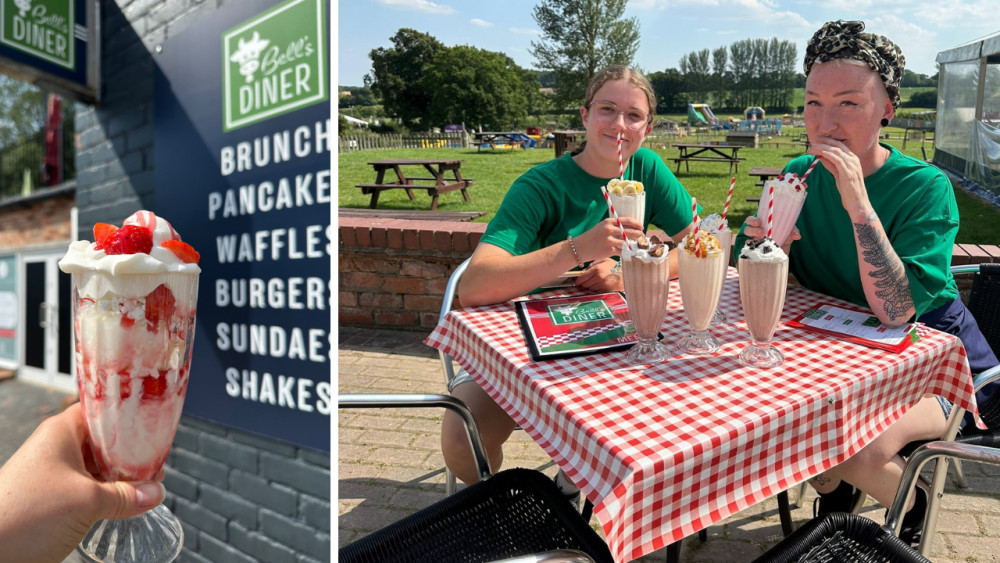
[[101, 233], [159, 305], [182, 250], [125, 385], [130, 239], [154, 386]]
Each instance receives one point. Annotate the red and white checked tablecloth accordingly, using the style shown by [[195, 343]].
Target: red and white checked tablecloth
[[666, 450]]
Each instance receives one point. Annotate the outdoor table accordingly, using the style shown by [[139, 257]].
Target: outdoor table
[[668, 449], [494, 138], [696, 152], [763, 173], [436, 184]]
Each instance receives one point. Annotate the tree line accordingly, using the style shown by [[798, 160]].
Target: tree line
[[426, 84]]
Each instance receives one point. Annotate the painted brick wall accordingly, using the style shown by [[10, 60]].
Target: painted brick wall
[[45, 219], [240, 497], [392, 273]]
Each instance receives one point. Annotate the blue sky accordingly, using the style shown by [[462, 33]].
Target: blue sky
[[668, 28]]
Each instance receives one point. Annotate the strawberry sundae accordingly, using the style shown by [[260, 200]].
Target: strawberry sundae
[[135, 293]]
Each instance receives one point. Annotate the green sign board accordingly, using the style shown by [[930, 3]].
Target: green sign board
[[40, 28], [9, 311], [274, 63]]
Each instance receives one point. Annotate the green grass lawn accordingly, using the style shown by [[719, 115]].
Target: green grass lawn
[[494, 171]]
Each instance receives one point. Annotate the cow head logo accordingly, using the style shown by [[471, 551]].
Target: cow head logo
[[248, 55]]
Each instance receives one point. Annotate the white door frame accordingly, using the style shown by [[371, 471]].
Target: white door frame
[[49, 317]]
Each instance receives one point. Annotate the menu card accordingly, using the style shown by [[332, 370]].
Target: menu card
[[560, 327], [858, 326]]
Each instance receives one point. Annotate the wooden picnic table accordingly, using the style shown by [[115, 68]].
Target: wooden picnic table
[[696, 152], [764, 173], [435, 185], [494, 138]]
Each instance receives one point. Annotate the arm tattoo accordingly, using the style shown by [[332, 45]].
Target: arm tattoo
[[889, 279]]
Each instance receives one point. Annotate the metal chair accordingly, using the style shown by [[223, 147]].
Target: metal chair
[[518, 515], [982, 303], [448, 367], [851, 537]]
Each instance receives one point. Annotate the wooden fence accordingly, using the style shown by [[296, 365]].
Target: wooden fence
[[351, 143]]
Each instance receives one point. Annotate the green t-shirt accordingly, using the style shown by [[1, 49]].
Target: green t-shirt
[[916, 205], [557, 198]]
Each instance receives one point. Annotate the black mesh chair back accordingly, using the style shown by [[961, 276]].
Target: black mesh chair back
[[852, 538], [984, 304], [516, 512]]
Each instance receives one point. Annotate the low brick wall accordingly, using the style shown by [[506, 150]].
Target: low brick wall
[[393, 272]]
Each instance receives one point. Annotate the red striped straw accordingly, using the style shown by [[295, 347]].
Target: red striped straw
[[729, 196], [614, 214], [810, 169], [770, 209], [621, 165], [694, 218]]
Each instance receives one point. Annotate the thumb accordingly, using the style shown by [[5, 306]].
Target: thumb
[[123, 499]]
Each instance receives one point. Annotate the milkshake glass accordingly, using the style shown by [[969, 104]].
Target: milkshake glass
[[789, 195], [763, 270], [135, 294], [629, 199], [701, 268], [719, 227], [646, 269]]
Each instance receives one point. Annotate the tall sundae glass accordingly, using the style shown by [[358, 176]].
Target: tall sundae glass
[[789, 194], [701, 268], [646, 269], [135, 293], [629, 198], [763, 279]]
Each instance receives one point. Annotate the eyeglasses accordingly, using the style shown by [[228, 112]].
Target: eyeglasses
[[606, 112]]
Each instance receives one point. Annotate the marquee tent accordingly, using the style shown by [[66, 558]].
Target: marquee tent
[[967, 130]]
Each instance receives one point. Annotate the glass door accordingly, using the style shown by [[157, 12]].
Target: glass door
[[47, 352]]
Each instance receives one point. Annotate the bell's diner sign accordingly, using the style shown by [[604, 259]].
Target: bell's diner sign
[[274, 63], [42, 28]]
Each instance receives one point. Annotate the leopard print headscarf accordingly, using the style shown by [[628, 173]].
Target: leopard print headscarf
[[847, 40]]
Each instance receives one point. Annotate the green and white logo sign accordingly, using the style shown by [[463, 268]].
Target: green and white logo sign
[[274, 63], [580, 312], [41, 28]]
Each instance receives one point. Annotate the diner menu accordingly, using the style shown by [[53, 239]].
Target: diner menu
[[559, 327], [858, 326]]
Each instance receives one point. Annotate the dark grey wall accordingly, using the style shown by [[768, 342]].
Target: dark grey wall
[[240, 497]]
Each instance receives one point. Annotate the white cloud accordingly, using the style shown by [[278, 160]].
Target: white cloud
[[480, 23], [419, 6], [523, 31]]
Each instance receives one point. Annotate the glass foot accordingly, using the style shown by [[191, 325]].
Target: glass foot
[[718, 318], [648, 352], [698, 342], [152, 537], [761, 355]]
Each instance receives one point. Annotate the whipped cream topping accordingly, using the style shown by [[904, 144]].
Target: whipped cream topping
[[762, 250], [705, 245], [647, 250], [84, 256], [713, 223], [788, 185]]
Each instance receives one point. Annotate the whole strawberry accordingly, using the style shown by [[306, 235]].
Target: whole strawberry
[[130, 239]]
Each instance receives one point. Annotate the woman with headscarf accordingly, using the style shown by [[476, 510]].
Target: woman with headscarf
[[877, 229]]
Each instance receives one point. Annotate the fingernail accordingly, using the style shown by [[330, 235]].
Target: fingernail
[[150, 494]]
